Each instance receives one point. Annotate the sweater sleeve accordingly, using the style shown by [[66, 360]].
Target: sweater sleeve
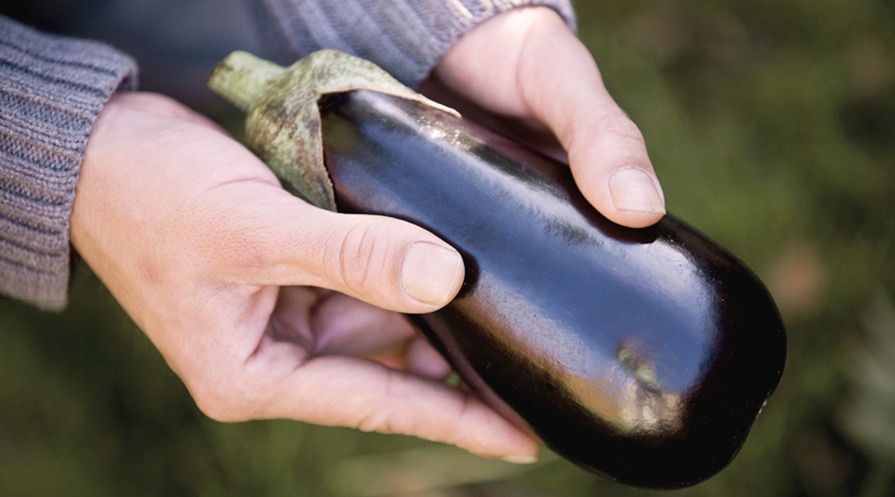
[[51, 91], [404, 37]]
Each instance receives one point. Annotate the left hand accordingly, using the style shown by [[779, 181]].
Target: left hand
[[527, 65]]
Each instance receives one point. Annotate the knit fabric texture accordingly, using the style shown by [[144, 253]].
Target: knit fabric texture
[[51, 91], [404, 37]]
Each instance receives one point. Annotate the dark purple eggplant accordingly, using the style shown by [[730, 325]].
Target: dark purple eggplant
[[643, 355]]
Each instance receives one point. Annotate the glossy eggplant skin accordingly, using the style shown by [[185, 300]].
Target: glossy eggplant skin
[[643, 355]]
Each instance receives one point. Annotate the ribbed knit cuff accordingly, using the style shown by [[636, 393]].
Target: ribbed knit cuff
[[51, 91], [404, 37]]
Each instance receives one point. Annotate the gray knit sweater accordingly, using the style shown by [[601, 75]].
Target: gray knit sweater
[[52, 89]]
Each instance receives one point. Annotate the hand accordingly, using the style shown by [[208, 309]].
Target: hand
[[224, 271], [525, 64]]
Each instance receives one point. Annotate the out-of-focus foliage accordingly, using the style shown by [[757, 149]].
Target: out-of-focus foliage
[[868, 415], [772, 126]]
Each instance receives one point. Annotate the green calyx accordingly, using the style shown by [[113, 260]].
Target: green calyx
[[283, 125]]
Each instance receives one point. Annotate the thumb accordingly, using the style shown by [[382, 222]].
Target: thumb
[[386, 262], [527, 63], [606, 150]]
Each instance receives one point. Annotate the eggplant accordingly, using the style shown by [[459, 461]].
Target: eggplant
[[642, 355]]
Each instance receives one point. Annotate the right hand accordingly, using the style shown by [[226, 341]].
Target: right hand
[[254, 296]]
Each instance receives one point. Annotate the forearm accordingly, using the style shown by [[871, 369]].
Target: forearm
[[405, 37], [51, 91]]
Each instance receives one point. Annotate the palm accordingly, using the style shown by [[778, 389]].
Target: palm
[[315, 324]]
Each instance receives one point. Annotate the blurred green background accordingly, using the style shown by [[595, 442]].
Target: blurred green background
[[772, 126]]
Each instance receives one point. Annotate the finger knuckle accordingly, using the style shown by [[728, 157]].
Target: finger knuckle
[[378, 422], [362, 257], [380, 419], [617, 124]]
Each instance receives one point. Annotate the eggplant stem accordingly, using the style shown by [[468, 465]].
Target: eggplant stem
[[242, 77], [283, 115]]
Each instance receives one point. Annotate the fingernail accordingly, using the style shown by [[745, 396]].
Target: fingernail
[[633, 189], [521, 459], [431, 273]]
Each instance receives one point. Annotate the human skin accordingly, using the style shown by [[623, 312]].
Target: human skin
[[267, 307]]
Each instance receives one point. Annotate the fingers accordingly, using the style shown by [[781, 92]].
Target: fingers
[[351, 327], [607, 152], [383, 261], [423, 360], [340, 391], [526, 63]]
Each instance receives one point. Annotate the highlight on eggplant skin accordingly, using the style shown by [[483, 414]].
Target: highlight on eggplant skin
[[642, 355]]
